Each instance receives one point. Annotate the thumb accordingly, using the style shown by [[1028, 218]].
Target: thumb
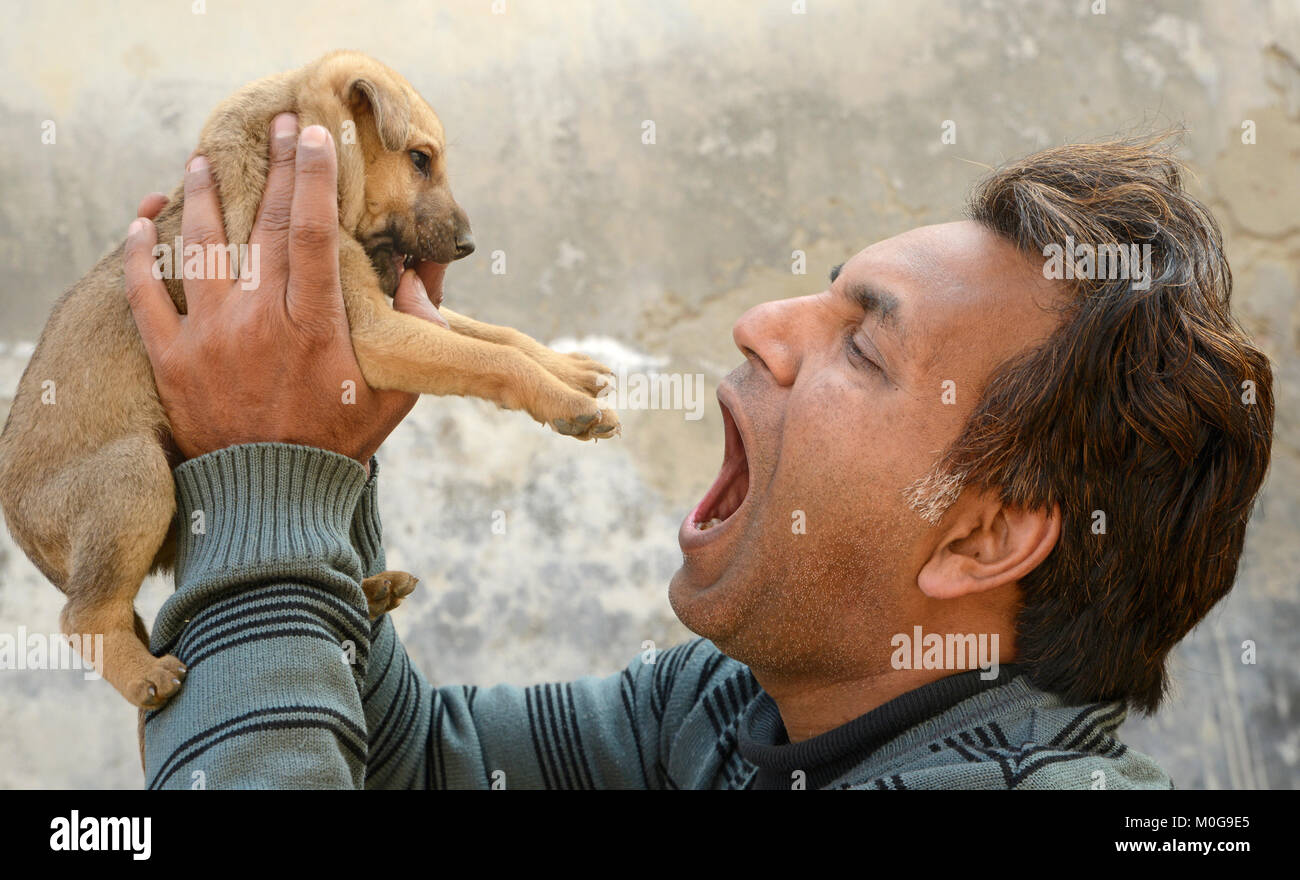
[[155, 313], [412, 299]]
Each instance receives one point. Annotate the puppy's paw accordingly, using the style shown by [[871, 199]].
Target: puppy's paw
[[579, 372], [159, 684], [386, 590], [590, 426]]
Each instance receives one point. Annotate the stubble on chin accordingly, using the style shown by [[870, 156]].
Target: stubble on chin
[[803, 610]]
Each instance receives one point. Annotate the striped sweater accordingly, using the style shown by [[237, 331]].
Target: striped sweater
[[290, 685]]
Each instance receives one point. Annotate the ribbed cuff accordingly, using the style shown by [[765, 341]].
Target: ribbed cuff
[[367, 534], [259, 513]]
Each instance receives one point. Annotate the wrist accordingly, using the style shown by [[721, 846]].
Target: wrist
[[260, 513], [254, 500], [367, 533], [190, 450]]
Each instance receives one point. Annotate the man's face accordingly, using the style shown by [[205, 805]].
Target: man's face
[[839, 407]]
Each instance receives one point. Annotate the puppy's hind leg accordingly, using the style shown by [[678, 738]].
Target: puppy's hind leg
[[386, 590], [123, 498]]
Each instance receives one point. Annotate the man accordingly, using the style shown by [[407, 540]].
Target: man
[[1016, 493]]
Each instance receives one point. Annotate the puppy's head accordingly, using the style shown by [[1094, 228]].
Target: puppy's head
[[409, 215]]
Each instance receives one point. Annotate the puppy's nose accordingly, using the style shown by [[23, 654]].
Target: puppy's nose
[[464, 244]]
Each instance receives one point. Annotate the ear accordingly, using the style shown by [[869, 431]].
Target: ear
[[984, 545], [388, 105]]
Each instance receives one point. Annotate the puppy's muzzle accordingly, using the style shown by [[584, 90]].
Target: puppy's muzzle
[[464, 237], [464, 244]]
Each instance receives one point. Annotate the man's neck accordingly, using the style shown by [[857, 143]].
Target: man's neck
[[810, 709], [812, 705]]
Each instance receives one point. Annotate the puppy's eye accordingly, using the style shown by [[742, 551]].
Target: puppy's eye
[[420, 161]]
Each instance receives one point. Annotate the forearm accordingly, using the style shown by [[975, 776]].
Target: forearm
[[270, 620], [396, 700], [592, 733], [608, 732], [291, 686]]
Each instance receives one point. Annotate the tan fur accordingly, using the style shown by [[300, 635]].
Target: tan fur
[[86, 484]]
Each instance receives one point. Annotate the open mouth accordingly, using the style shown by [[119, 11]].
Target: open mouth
[[390, 262], [401, 262], [730, 489]]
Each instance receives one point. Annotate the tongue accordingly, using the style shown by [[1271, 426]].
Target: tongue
[[431, 275]]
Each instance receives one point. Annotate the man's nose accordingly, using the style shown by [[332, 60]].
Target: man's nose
[[464, 236], [770, 333]]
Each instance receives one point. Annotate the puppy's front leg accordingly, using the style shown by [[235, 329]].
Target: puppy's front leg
[[404, 353], [575, 370]]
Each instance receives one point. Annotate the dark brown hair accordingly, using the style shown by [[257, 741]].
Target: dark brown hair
[[1149, 405]]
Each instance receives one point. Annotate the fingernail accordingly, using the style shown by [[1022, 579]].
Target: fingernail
[[198, 165], [137, 226], [313, 136], [284, 126]]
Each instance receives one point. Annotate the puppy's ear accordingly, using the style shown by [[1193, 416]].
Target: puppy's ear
[[388, 105]]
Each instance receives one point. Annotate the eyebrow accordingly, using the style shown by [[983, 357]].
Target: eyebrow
[[873, 300]]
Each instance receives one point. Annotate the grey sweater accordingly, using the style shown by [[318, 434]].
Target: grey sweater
[[290, 685]]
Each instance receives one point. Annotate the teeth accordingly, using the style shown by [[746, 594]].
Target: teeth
[[708, 525]]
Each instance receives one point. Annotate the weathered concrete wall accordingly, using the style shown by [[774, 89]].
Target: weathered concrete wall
[[774, 131]]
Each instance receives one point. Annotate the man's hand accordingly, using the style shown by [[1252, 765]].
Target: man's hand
[[274, 363]]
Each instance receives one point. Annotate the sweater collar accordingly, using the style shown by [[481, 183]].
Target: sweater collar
[[762, 738]]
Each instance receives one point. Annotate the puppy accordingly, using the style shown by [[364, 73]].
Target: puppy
[[86, 483]]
